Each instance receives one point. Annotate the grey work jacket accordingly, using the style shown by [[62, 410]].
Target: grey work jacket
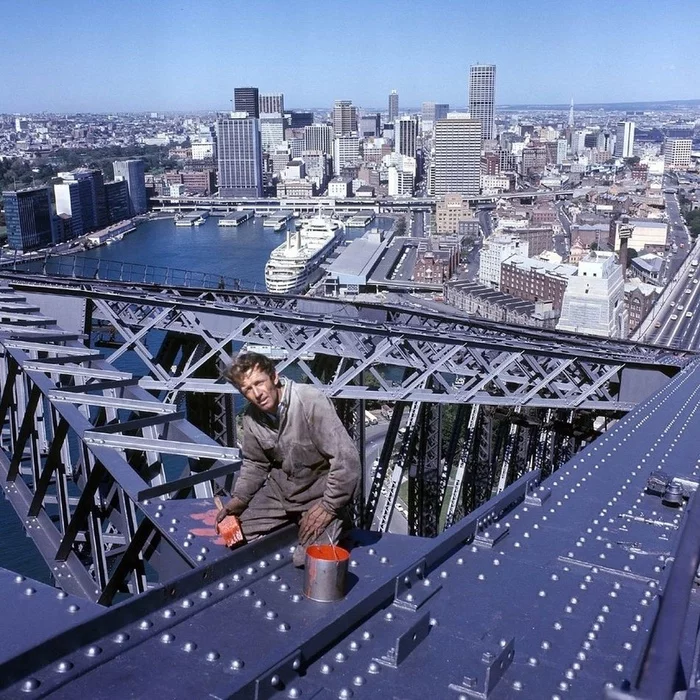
[[305, 455]]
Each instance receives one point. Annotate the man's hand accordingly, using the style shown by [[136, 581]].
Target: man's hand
[[234, 507], [313, 523]]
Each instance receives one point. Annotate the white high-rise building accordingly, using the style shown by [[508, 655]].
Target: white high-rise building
[[561, 151], [496, 249], [594, 300], [624, 140], [406, 136], [677, 153], [319, 137], [272, 103], [346, 153], [457, 155], [239, 156], [271, 130], [482, 98], [401, 175]]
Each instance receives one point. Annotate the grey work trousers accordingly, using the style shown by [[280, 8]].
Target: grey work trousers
[[267, 512]]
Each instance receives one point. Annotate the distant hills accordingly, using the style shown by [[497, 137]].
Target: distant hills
[[609, 106]]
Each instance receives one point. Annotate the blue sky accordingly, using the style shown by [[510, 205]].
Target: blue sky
[[119, 55]]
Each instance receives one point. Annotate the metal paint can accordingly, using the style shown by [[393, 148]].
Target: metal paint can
[[325, 572]]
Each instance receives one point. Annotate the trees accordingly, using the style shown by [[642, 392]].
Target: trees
[[692, 219]]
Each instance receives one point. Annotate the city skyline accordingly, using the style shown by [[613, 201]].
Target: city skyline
[[139, 64]]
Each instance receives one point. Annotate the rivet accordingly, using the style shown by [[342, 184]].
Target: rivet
[[354, 646], [259, 603], [373, 667], [275, 680], [189, 646], [73, 608], [145, 624], [340, 657], [212, 655], [358, 680], [296, 598], [326, 669], [121, 638], [389, 616], [293, 693], [30, 684], [247, 592], [345, 693], [366, 635], [284, 586], [93, 651], [237, 664], [204, 594], [167, 638], [168, 613], [63, 666], [29, 591], [186, 603], [270, 614]]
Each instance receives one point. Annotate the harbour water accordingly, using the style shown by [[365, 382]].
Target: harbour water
[[240, 251]]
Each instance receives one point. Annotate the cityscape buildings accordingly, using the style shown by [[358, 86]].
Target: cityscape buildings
[[132, 171], [677, 153], [624, 140], [318, 137], [457, 155], [406, 136], [344, 118], [246, 99], [29, 218], [239, 156], [393, 105], [272, 103], [482, 97]]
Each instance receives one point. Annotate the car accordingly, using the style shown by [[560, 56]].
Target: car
[[695, 281], [673, 303], [674, 317], [689, 314], [657, 324], [688, 291], [399, 507], [679, 307]]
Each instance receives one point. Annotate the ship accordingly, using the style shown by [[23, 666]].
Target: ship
[[295, 265]]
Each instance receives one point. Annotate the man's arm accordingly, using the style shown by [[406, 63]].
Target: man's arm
[[254, 470], [332, 440]]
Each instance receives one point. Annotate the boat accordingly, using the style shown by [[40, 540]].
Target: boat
[[295, 265], [361, 220]]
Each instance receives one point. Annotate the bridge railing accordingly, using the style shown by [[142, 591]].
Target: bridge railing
[[84, 267]]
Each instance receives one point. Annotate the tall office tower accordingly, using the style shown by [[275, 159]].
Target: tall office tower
[[272, 103], [393, 106], [561, 151], [271, 130], [68, 203], [239, 156], [432, 113], [346, 153], [370, 125], [624, 140], [319, 137], [91, 188], [482, 97], [571, 114], [677, 153], [344, 118], [29, 218], [406, 136], [297, 120], [246, 99], [132, 171], [457, 155], [117, 196]]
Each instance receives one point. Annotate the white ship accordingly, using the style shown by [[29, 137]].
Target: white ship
[[294, 265]]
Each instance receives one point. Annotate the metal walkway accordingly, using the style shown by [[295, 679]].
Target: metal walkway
[[559, 590]]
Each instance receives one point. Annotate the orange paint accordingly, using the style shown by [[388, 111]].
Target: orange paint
[[327, 552]]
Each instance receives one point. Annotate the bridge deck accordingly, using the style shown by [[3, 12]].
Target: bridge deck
[[548, 592]]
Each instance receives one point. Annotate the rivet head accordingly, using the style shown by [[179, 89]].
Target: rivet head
[[63, 666], [340, 657], [345, 693], [145, 624], [29, 591], [389, 616], [186, 603], [167, 638], [366, 635], [212, 655], [293, 693], [275, 680], [168, 613], [326, 669], [237, 664], [270, 614], [358, 680], [354, 646], [61, 595], [374, 667], [283, 627], [121, 638], [73, 608], [30, 684], [189, 646], [93, 651]]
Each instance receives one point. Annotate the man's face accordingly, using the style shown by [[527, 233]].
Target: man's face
[[261, 389]]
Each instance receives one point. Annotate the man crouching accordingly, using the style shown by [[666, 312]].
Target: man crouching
[[299, 463]]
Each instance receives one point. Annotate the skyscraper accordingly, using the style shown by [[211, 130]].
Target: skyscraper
[[246, 99], [271, 131], [272, 103], [318, 137], [29, 218], [457, 155], [431, 113], [344, 118], [393, 105], [68, 202], [133, 172], [406, 136], [239, 156], [91, 198], [482, 97], [624, 140], [677, 153]]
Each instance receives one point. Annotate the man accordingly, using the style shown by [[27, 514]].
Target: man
[[299, 463]]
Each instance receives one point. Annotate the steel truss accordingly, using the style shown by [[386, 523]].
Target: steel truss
[[88, 459], [400, 355]]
